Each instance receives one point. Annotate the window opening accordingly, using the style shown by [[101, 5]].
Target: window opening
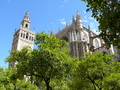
[[26, 35], [26, 25], [66, 39], [30, 38], [21, 34], [96, 43], [85, 37]]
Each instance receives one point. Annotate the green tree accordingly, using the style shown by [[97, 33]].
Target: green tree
[[50, 61], [97, 72], [9, 81], [107, 13]]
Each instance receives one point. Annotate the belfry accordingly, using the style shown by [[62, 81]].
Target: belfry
[[23, 36]]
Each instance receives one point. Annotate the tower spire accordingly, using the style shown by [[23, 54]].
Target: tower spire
[[73, 19], [26, 21], [78, 14], [78, 20], [26, 17]]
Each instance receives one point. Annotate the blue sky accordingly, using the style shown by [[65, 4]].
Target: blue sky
[[44, 14]]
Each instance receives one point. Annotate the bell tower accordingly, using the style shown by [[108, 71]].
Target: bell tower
[[23, 36], [26, 21]]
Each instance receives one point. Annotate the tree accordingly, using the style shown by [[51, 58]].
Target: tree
[[107, 13], [50, 61], [97, 72], [8, 81]]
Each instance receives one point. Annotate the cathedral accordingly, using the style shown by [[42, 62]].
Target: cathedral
[[80, 38]]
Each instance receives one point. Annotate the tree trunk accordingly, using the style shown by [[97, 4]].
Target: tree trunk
[[14, 87], [47, 81], [47, 85]]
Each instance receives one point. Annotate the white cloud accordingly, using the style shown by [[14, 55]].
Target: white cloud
[[85, 20], [91, 18], [62, 21], [85, 12], [94, 27], [85, 17], [92, 23], [65, 1]]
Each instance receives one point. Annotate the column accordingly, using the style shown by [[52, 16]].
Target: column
[[80, 35], [72, 36], [75, 35]]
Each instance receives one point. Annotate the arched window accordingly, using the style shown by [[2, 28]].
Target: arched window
[[85, 38], [29, 37], [32, 38], [65, 38], [26, 35], [21, 34], [18, 34], [96, 43], [26, 25]]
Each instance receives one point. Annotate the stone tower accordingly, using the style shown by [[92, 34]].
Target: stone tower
[[23, 36]]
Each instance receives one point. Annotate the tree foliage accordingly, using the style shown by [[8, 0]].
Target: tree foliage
[[107, 13], [50, 67], [8, 81], [51, 60], [97, 72]]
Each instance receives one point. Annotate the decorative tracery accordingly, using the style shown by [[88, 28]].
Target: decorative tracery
[[85, 38], [96, 43]]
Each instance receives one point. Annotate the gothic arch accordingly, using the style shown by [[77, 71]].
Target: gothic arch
[[96, 43], [84, 37], [26, 25], [65, 38]]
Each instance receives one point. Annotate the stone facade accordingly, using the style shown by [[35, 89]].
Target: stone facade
[[23, 36], [82, 39]]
